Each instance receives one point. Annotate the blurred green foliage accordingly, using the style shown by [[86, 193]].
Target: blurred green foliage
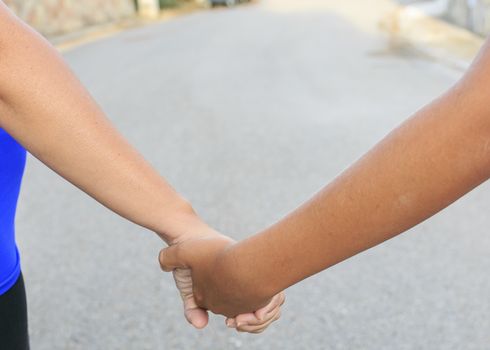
[[168, 3]]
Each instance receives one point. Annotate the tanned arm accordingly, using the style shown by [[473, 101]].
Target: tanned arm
[[431, 160]]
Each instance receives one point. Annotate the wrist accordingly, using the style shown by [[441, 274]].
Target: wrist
[[241, 278], [180, 222]]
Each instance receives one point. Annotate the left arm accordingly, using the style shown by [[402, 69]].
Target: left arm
[[45, 107]]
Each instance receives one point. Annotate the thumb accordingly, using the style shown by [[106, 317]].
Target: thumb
[[171, 258], [195, 315]]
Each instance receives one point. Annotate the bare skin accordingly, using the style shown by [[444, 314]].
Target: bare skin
[[46, 109], [427, 163]]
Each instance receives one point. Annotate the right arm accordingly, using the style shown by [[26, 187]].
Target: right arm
[[427, 163]]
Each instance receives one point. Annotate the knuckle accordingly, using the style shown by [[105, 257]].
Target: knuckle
[[178, 252], [278, 316]]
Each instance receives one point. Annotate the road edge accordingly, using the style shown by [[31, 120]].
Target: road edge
[[67, 42]]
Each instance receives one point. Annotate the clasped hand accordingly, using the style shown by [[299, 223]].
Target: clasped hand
[[203, 273]]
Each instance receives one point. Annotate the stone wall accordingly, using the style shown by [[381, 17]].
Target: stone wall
[[54, 17], [472, 14]]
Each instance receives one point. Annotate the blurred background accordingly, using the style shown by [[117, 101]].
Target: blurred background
[[54, 17], [248, 109]]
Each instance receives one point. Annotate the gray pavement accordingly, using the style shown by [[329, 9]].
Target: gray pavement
[[248, 112]]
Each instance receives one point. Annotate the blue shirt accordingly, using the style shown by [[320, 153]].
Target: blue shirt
[[12, 163]]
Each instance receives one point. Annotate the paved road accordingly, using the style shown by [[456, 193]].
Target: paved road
[[248, 112]]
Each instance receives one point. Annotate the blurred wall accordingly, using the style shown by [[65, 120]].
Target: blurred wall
[[52, 17], [473, 14]]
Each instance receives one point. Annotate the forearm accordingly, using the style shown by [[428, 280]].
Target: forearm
[[44, 106], [427, 163]]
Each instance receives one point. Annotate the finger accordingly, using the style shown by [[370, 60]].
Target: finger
[[260, 328], [171, 258], [275, 303], [246, 319], [251, 320], [196, 316], [230, 322], [262, 315]]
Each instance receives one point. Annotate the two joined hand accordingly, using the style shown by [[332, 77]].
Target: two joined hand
[[205, 281]]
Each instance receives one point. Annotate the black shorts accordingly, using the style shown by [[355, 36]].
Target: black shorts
[[13, 318]]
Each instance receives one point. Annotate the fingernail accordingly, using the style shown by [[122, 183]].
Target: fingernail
[[238, 325], [229, 323]]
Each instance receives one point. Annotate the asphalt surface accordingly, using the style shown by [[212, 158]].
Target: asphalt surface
[[248, 112]]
